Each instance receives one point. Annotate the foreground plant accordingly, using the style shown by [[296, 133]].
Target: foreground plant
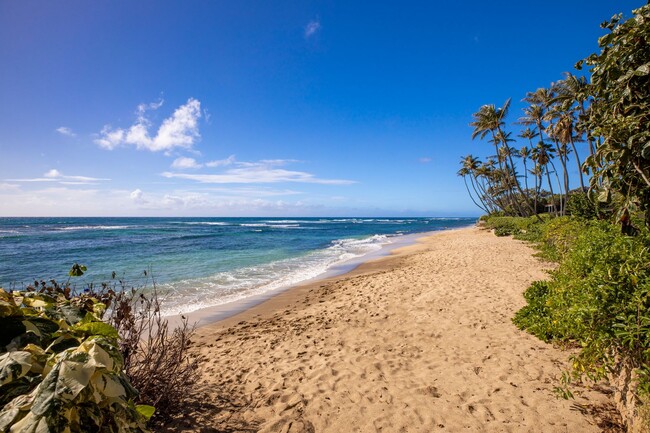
[[157, 359], [61, 369]]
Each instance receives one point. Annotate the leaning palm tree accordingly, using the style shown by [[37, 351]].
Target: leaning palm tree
[[491, 120], [469, 165]]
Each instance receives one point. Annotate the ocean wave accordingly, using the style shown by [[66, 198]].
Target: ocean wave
[[284, 222], [285, 226], [229, 286], [72, 228], [203, 223]]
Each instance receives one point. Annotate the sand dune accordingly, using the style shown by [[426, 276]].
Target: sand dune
[[420, 341]]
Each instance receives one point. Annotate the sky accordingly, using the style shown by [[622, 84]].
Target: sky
[[257, 108]]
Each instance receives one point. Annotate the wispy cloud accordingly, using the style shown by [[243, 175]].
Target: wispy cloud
[[425, 160], [265, 171], [221, 162], [180, 130], [312, 28], [56, 176], [254, 192], [64, 130]]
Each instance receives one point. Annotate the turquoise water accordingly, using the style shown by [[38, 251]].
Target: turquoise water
[[196, 262]]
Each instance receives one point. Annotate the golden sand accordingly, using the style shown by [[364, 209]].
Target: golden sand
[[419, 341]]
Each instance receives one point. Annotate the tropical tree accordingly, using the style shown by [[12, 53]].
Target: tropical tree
[[490, 119], [620, 112], [468, 169]]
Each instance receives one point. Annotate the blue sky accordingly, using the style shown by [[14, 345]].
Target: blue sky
[[247, 108]]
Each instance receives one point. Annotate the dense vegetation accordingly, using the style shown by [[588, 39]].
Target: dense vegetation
[[597, 300], [71, 362], [600, 124]]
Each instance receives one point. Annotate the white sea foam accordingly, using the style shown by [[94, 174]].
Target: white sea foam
[[285, 226], [284, 222], [229, 286], [72, 228], [204, 223]]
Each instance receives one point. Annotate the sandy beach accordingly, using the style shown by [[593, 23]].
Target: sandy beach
[[419, 341]]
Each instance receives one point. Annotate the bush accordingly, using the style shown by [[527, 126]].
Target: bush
[[73, 361], [599, 296], [522, 227], [579, 205], [156, 359], [61, 367]]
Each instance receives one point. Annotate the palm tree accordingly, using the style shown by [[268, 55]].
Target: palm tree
[[564, 131], [490, 120], [542, 154], [552, 113], [525, 153], [469, 165], [574, 92]]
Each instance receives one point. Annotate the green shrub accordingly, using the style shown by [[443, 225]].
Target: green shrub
[[580, 206], [61, 367], [598, 297]]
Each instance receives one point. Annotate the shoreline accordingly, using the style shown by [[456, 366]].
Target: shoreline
[[222, 312], [420, 340]]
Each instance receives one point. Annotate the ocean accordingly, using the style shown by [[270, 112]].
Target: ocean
[[195, 262]]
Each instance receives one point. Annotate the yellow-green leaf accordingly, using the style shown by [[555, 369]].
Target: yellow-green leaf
[[97, 328], [145, 410]]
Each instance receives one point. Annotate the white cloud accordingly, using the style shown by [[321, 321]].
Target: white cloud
[[183, 163], [110, 139], [64, 130], [9, 187], [55, 175], [137, 196], [265, 171], [178, 131], [312, 28], [425, 160], [55, 200], [221, 162], [255, 192]]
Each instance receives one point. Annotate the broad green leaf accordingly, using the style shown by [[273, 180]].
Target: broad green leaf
[[14, 365], [71, 313], [145, 410], [62, 384], [8, 306], [97, 356], [97, 328], [41, 326], [14, 411], [35, 302], [107, 385]]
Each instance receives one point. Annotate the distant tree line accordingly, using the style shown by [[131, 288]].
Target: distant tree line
[[599, 123]]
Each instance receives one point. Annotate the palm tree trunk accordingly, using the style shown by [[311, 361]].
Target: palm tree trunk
[[472, 197], [575, 152], [550, 187], [559, 185]]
